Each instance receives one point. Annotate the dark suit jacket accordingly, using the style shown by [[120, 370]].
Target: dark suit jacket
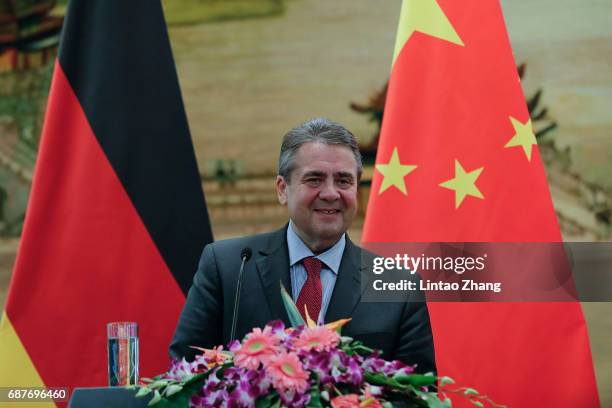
[[401, 330]]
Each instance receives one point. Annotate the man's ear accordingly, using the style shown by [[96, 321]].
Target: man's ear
[[281, 190]]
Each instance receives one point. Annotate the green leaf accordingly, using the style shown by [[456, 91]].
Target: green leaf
[[436, 403], [173, 389], [325, 395], [181, 398], [446, 381], [158, 384], [470, 391], [196, 377], [295, 318], [363, 348], [265, 402], [380, 379], [477, 403], [142, 392], [315, 399], [418, 380], [147, 379], [428, 399], [156, 398]]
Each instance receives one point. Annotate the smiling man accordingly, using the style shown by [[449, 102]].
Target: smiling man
[[318, 182], [318, 174]]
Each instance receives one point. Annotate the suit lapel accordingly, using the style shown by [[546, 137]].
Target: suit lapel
[[347, 290], [273, 267]]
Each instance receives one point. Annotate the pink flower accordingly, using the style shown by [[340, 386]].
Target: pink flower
[[210, 357], [370, 402], [215, 356], [287, 373], [345, 401], [318, 338], [258, 347]]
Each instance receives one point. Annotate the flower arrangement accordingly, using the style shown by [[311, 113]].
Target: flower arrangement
[[303, 366]]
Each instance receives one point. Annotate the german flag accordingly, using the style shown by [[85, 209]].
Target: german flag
[[116, 218]]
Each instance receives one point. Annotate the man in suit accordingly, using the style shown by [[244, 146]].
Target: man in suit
[[319, 171]]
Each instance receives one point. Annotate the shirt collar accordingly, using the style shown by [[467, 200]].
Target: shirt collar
[[298, 250]]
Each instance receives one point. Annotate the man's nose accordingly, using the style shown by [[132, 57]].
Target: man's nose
[[329, 191]]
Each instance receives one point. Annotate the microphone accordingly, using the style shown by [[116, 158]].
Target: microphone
[[245, 255]]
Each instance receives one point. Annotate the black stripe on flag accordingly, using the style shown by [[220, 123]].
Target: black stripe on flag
[[116, 55]]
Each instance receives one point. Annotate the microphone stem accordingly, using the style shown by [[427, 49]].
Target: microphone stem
[[237, 300]]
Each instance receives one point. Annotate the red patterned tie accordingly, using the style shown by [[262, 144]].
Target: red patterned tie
[[311, 294]]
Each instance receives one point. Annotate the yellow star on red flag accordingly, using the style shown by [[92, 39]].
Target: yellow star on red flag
[[424, 16], [523, 136], [394, 173], [464, 183]]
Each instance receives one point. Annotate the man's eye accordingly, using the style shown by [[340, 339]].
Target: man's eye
[[313, 180], [345, 182]]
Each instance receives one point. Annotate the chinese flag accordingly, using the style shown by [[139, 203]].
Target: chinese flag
[[458, 161], [116, 218]]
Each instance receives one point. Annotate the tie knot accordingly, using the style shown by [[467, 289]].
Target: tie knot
[[312, 265]]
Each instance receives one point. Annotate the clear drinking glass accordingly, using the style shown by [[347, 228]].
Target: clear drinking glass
[[122, 353]]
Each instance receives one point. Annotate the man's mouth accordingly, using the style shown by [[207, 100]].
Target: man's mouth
[[331, 211]]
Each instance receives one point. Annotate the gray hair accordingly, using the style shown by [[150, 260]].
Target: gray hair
[[315, 130]]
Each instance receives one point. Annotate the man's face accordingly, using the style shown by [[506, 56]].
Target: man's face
[[321, 196]]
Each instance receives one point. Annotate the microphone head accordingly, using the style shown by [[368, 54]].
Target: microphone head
[[246, 253]]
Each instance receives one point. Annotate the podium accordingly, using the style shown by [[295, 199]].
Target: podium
[[118, 397], [106, 397]]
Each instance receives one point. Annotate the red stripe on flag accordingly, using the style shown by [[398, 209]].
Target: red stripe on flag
[[85, 259]]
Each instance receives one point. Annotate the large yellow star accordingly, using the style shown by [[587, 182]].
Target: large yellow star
[[394, 173], [463, 184], [523, 136], [424, 16]]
